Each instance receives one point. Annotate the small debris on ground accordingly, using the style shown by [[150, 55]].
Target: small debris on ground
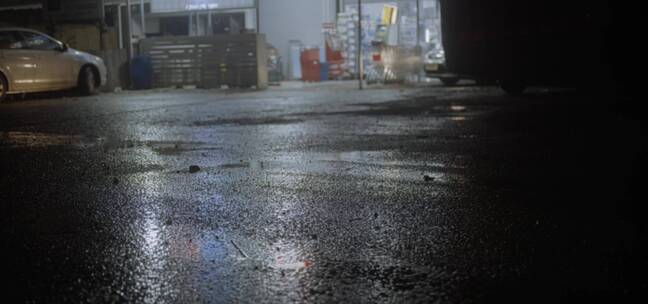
[[428, 178], [239, 249], [194, 169], [292, 266]]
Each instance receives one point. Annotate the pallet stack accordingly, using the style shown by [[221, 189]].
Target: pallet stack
[[347, 28], [348, 33], [208, 61]]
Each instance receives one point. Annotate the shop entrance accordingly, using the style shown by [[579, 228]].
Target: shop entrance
[[228, 23], [399, 39], [174, 26]]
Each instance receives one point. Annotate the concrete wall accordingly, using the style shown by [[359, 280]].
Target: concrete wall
[[19, 3], [285, 20], [75, 10]]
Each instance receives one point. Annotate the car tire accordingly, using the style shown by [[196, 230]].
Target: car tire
[[4, 88], [87, 81], [485, 82], [513, 87], [449, 81]]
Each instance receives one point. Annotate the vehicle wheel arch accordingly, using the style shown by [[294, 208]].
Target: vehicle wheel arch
[[3, 74], [450, 80], [95, 71], [4, 77]]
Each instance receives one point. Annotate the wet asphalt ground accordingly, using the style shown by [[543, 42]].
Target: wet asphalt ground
[[322, 194]]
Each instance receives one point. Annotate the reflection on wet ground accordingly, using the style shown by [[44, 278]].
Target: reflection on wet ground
[[411, 195], [39, 140]]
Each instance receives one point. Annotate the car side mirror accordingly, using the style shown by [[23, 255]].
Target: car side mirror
[[64, 47]]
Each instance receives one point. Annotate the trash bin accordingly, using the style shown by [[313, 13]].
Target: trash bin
[[141, 70], [310, 64], [324, 71]]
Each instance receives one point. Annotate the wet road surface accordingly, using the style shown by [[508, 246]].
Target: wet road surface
[[417, 195]]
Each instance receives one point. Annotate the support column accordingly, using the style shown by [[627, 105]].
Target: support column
[[129, 31], [419, 50], [142, 18], [360, 68]]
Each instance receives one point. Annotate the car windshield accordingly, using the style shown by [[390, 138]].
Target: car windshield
[[36, 41], [8, 40]]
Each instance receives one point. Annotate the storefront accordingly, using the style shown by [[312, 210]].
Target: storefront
[[397, 37], [180, 18], [204, 17], [396, 34]]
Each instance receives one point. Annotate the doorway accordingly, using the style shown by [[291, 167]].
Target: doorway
[[228, 23]]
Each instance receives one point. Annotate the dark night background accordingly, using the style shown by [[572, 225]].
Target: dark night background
[[423, 194]]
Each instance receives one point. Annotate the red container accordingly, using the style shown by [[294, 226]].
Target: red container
[[332, 55], [310, 55], [335, 61], [310, 65]]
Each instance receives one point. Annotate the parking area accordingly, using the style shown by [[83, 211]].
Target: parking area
[[321, 193]]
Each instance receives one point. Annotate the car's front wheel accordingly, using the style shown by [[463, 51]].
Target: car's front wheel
[[87, 81], [449, 81], [4, 88], [513, 86]]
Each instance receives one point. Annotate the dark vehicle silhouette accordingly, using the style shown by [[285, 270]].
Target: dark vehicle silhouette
[[517, 43]]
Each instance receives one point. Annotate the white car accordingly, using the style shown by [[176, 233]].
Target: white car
[[31, 61], [434, 66]]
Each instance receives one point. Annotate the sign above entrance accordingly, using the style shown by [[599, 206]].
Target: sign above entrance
[[174, 6]]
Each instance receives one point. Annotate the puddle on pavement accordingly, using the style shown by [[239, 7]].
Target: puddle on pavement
[[247, 121], [374, 164], [235, 165], [179, 149], [41, 140]]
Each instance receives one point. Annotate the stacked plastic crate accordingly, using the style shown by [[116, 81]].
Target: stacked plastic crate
[[333, 52], [348, 32], [369, 28]]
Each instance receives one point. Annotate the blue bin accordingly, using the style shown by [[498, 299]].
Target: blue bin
[[141, 71], [324, 71]]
